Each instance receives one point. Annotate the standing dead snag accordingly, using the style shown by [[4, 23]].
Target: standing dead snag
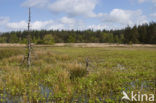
[[27, 57], [29, 47], [87, 64]]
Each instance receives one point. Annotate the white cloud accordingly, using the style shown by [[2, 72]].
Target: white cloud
[[68, 24], [38, 25], [70, 7], [63, 23], [154, 2], [115, 19], [22, 25], [4, 20], [66, 20], [153, 15], [124, 17], [98, 27], [74, 7], [56, 27], [17, 25], [35, 3], [151, 1], [141, 1]]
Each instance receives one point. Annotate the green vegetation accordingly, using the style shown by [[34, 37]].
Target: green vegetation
[[8, 52], [61, 72], [48, 39], [143, 34]]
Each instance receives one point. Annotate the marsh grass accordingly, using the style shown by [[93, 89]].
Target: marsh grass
[[8, 52], [63, 70], [76, 70]]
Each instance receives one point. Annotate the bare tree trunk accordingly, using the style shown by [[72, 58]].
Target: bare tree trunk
[[29, 53], [87, 64], [29, 43]]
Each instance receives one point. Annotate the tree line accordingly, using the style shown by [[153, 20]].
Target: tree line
[[143, 34]]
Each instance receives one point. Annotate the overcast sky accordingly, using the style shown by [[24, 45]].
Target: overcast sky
[[75, 14]]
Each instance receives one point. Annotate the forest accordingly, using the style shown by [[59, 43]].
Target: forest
[[142, 34]]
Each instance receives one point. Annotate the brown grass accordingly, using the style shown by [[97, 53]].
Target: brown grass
[[82, 45]]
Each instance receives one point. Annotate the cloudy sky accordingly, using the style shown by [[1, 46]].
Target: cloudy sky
[[75, 14]]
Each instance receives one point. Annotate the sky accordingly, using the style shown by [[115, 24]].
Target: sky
[[75, 14]]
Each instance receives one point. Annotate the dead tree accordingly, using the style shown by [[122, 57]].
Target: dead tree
[[29, 47], [87, 64], [27, 57]]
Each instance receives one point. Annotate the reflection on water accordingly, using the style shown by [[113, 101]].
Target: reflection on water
[[82, 97], [140, 85], [5, 97], [46, 91]]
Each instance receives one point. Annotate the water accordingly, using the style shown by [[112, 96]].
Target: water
[[82, 97], [7, 98], [144, 85]]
